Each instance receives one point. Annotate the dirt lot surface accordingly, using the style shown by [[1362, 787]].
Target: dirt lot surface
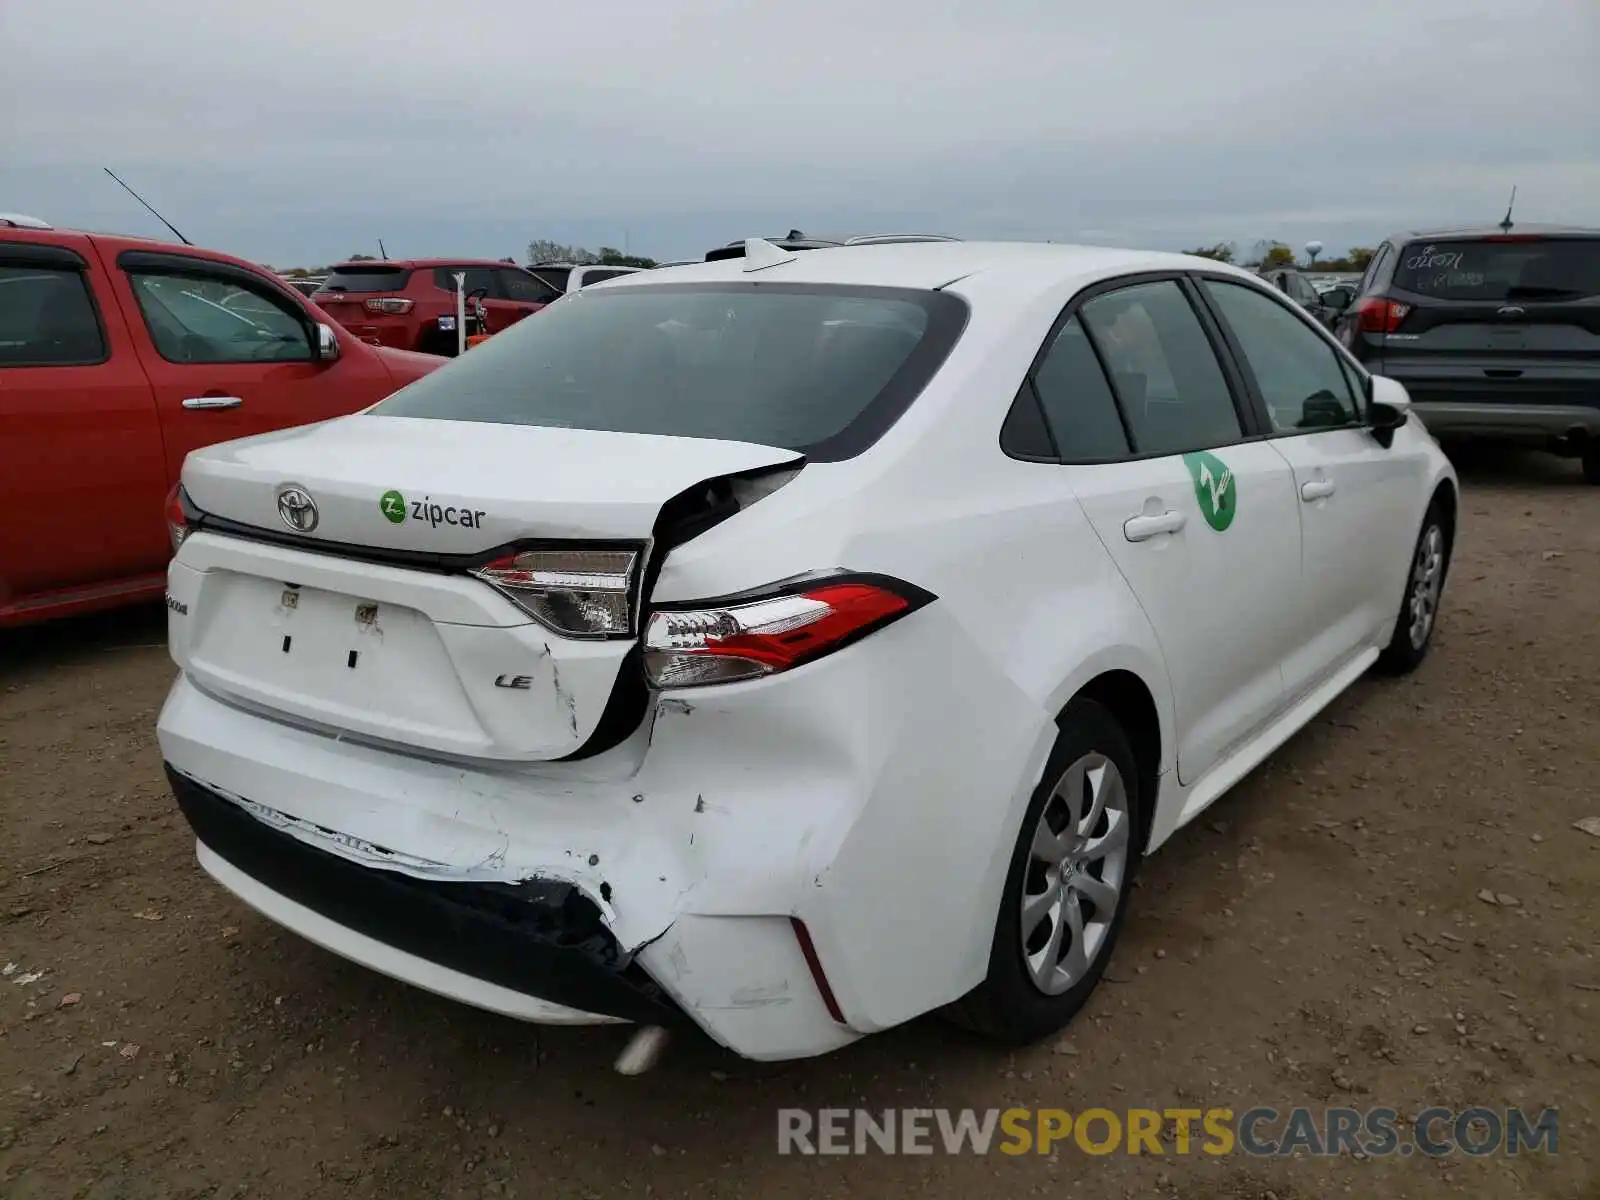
[[1319, 937]]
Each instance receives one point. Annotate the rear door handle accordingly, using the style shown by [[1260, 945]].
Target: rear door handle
[[203, 402], [1317, 489], [1140, 529]]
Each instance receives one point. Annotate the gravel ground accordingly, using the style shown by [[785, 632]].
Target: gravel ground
[[1320, 937]]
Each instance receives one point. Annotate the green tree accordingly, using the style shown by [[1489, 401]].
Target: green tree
[[1221, 252], [362, 258], [1278, 255], [612, 257], [1359, 257]]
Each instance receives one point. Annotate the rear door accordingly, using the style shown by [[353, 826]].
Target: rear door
[[1355, 498], [1197, 513], [1511, 318], [82, 480], [230, 355]]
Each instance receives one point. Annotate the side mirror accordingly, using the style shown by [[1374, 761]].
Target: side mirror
[[1338, 299], [327, 343], [1388, 406]]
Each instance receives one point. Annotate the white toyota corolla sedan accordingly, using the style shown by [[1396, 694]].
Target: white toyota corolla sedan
[[791, 645]]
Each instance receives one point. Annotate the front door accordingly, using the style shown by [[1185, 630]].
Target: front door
[[229, 359], [1354, 496]]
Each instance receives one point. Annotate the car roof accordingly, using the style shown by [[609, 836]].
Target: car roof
[[421, 264], [932, 265], [1488, 231]]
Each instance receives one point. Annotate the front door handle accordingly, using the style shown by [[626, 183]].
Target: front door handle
[[204, 402], [1140, 529], [1316, 489]]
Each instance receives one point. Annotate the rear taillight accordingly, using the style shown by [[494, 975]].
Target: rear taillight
[[394, 306], [577, 593], [177, 517], [773, 630], [1381, 315]]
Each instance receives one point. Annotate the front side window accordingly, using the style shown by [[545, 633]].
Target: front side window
[[201, 319], [1163, 369], [1299, 375], [815, 368], [47, 318]]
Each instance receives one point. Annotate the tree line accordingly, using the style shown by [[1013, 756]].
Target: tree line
[[1275, 254]]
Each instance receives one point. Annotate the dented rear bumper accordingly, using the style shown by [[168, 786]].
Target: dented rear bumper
[[665, 876], [538, 937]]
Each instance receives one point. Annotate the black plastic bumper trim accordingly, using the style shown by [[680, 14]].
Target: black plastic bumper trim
[[540, 937]]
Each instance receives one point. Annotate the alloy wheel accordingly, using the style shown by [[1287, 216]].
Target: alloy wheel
[[1077, 869]]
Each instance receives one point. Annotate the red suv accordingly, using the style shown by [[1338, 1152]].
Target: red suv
[[411, 304], [118, 356]]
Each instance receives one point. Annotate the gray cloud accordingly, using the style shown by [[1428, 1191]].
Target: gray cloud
[[301, 131]]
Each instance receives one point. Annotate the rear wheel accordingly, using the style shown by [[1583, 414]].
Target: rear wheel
[[1419, 610], [1067, 889]]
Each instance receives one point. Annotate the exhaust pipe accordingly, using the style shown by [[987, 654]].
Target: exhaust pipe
[[643, 1050]]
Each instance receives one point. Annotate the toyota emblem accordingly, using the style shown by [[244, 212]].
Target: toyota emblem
[[297, 509]]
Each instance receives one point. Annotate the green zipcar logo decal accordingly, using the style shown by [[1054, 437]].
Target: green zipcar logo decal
[[393, 505], [1214, 488]]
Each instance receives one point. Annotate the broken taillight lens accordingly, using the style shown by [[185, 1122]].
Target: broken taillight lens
[[1379, 314], [577, 593], [177, 517], [773, 630]]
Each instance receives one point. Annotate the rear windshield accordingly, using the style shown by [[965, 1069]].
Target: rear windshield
[[367, 279], [819, 369], [1494, 269]]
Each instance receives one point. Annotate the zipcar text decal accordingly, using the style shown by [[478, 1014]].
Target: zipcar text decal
[[393, 506]]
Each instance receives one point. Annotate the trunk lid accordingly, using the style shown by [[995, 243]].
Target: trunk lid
[[366, 620]]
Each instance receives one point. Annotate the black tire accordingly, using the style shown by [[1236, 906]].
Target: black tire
[[1008, 1006], [1405, 650], [1591, 463]]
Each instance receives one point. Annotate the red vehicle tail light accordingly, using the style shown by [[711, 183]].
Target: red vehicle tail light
[[1379, 314], [579, 593], [177, 517], [772, 630], [393, 306]]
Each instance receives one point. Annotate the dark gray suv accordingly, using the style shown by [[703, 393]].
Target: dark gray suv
[[1494, 333]]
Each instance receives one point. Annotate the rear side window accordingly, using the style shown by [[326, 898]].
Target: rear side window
[[601, 276], [47, 319], [819, 369], [474, 279], [367, 279], [1164, 371], [1512, 268], [526, 289], [1077, 400]]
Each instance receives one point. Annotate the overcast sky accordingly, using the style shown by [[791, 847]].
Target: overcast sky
[[296, 132]]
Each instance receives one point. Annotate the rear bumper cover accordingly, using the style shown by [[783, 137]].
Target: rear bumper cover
[[1509, 418], [537, 937]]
